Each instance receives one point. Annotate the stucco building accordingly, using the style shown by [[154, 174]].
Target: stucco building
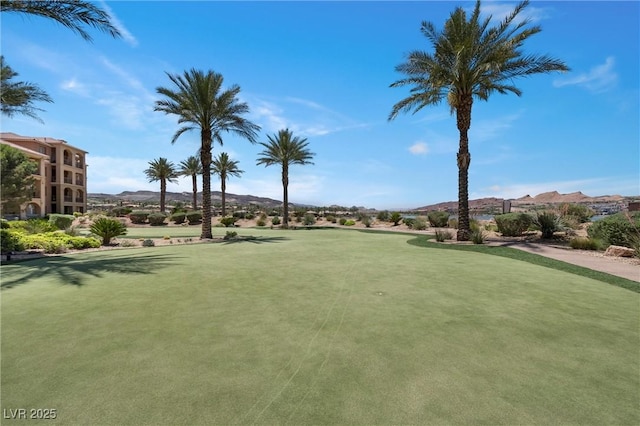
[[61, 180]]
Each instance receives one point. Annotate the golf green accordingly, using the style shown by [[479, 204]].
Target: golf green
[[314, 327]]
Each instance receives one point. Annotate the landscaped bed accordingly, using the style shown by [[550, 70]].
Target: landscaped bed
[[315, 327]]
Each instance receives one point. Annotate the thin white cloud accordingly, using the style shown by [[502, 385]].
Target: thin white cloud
[[419, 148], [499, 11], [126, 34], [598, 79], [74, 86]]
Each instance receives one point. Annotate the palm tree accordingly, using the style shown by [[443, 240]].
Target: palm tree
[[200, 103], [470, 60], [224, 167], [164, 171], [285, 149], [17, 97], [192, 167], [73, 14]]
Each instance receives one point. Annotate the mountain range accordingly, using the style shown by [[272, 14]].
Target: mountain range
[[545, 198]]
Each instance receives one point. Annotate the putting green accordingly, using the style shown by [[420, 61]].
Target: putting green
[[315, 327]]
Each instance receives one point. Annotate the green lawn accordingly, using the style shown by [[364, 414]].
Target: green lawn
[[315, 327]]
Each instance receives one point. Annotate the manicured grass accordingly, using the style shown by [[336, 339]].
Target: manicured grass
[[316, 327]]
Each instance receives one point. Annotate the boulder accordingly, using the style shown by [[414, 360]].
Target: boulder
[[619, 251]]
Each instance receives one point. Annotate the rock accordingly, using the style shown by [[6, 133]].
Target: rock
[[619, 251]]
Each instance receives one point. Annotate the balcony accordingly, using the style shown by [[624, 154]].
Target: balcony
[[68, 180], [79, 200], [68, 162], [79, 182], [79, 164], [68, 199]]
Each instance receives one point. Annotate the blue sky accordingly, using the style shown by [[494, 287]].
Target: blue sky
[[323, 69]]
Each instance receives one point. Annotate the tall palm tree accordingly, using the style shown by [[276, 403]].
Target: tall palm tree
[[285, 149], [164, 171], [17, 97], [192, 167], [224, 167], [73, 14], [199, 102], [470, 60]]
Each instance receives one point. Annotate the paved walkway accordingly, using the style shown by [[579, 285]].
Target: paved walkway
[[610, 265]]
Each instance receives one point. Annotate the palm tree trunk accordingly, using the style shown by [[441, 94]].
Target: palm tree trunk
[[163, 192], [463, 115], [194, 180], [285, 196], [223, 187], [205, 157]]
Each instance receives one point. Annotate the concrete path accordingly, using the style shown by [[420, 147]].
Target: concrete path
[[611, 265]]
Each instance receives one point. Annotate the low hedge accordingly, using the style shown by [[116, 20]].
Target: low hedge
[[513, 224]]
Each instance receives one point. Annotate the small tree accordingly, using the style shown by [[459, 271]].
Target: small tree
[[107, 229], [16, 180], [395, 218]]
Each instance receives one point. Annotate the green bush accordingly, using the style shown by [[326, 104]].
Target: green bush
[[342, 221], [228, 221], [148, 243], [61, 221], [383, 216], [261, 222], [107, 229], [582, 243], [453, 223], [408, 221], [438, 219], [513, 224], [477, 236], [419, 224], [442, 235], [157, 219], [138, 217], [349, 222], [4, 224], [33, 226], [194, 217], [547, 222], [178, 217], [10, 241], [230, 235], [366, 221], [275, 220], [619, 229], [579, 212], [395, 218], [120, 211], [330, 218], [57, 242], [309, 219]]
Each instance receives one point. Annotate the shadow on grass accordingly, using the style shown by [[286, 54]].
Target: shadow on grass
[[536, 259], [252, 239], [72, 270]]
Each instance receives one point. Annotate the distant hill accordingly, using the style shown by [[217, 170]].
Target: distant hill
[[135, 197], [546, 198]]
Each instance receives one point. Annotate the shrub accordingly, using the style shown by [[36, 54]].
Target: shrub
[[194, 217], [474, 225], [419, 224], [547, 222], [157, 219], [442, 235], [618, 229], [4, 224], [408, 221], [438, 219], [395, 218], [127, 243], [383, 216], [275, 220], [513, 224], [309, 219], [61, 221], [579, 212], [330, 218], [10, 241], [366, 221], [57, 242], [107, 229], [342, 221], [178, 217], [33, 226], [230, 235], [349, 222], [138, 217], [228, 221], [148, 243], [120, 211], [582, 243], [477, 236], [452, 223], [261, 222]]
